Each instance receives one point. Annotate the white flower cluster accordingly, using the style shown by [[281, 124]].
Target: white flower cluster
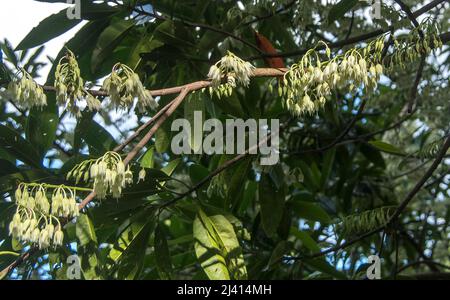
[[69, 86], [420, 41], [234, 70], [27, 92], [124, 85], [33, 220], [308, 84], [108, 173]]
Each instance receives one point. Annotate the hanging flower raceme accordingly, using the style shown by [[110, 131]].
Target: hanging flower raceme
[[69, 86], [420, 41], [234, 70], [308, 84], [108, 174], [123, 86], [36, 218], [27, 92]]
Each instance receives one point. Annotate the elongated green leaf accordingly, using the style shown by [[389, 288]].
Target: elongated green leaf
[[217, 248], [129, 250], [171, 166], [108, 40], [310, 180], [310, 211], [208, 250], [162, 140], [385, 147], [193, 108], [272, 203], [15, 144], [230, 244], [41, 127], [323, 266], [97, 137], [163, 261], [277, 254], [85, 230], [147, 159], [129, 236], [48, 29], [327, 166], [306, 239]]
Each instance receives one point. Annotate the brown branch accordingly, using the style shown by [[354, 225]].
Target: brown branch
[[278, 11], [198, 85], [413, 92], [217, 171], [397, 212], [420, 262], [427, 7], [201, 25], [158, 119], [422, 181], [142, 128], [408, 12], [444, 37]]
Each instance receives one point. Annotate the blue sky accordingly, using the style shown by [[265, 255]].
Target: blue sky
[[18, 17]]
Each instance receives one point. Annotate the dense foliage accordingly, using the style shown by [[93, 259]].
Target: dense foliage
[[363, 111]]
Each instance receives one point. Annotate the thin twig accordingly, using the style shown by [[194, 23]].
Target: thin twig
[[413, 93], [340, 136]]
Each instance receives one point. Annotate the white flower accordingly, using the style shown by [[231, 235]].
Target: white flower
[[44, 239], [215, 75], [142, 174], [58, 238]]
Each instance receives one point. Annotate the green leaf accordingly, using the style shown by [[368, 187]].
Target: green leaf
[[310, 211], [193, 104], [217, 248], [48, 29], [129, 249], [230, 246], [173, 33], [95, 11], [277, 254], [16, 145], [208, 250], [41, 127], [327, 166], [385, 147], [147, 159], [162, 140], [85, 230], [306, 239], [339, 9], [171, 166], [236, 180], [108, 41], [162, 254], [97, 137], [323, 266], [310, 181], [272, 204]]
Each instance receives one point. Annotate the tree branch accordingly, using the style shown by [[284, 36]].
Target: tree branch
[[444, 37], [397, 212]]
